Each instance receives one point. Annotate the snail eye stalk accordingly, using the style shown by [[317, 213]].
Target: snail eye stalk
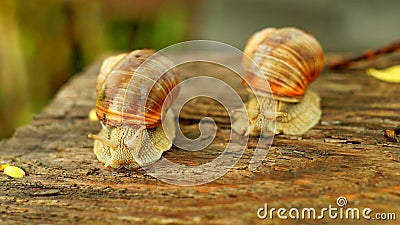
[[104, 141]]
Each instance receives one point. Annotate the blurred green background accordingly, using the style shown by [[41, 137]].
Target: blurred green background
[[44, 42]]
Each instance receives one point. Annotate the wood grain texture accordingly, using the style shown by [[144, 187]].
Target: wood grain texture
[[346, 154]]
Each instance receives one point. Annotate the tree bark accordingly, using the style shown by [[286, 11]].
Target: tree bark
[[346, 154]]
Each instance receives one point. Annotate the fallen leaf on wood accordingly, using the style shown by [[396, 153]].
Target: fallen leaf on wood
[[3, 166], [92, 115], [14, 172], [391, 74]]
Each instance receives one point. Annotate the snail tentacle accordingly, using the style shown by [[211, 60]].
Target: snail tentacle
[[104, 141]]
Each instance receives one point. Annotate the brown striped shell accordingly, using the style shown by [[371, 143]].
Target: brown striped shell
[[289, 58], [132, 88]]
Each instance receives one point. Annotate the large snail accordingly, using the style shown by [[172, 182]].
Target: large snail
[[289, 60], [133, 96]]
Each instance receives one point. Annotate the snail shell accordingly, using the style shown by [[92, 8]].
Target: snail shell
[[289, 60], [134, 93], [121, 96]]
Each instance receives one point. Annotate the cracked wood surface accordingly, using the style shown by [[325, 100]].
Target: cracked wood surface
[[346, 154]]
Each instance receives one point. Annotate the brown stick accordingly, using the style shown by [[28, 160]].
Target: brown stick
[[366, 55]]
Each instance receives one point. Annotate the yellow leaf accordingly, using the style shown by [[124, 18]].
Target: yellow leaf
[[14, 171], [2, 167], [391, 74], [92, 115]]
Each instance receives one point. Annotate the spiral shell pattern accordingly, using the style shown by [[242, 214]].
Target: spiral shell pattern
[[132, 88], [289, 59]]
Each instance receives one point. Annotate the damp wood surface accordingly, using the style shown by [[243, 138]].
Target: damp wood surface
[[346, 155]]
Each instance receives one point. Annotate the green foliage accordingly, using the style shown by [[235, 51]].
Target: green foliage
[[45, 43]]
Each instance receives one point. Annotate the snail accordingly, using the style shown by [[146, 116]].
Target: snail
[[289, 59], [131, 91]]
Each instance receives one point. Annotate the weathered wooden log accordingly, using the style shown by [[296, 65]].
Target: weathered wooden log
[[346, 155]]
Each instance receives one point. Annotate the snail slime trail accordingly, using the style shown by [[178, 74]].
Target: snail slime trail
[[289, 59], [132, 99]]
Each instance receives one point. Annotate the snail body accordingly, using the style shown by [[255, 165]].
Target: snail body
[[289, 60], [134, 92]]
